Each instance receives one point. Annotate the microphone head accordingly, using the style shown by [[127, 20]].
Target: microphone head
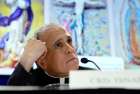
[[84, 60]]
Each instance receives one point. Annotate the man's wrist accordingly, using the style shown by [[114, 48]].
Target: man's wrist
[[26, 63]]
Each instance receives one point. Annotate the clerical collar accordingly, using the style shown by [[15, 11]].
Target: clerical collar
[[62, 80]]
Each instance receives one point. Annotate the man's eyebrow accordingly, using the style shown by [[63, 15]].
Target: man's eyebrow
[[68, 37]]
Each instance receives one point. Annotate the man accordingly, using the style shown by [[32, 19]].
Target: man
[[54, 55]]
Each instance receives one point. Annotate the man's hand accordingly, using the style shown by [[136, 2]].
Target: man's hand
[[32, 51]]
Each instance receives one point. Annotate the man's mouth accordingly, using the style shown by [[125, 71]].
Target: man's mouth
[[72, 59]]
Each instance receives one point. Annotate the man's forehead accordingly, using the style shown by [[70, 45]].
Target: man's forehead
[[54, 32]]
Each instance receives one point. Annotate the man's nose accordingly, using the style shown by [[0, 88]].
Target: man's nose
[[69, 48]]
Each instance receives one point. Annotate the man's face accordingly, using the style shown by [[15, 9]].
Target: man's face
[[61, 56]]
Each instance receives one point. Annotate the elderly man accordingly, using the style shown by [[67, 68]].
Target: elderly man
[[54, 55]]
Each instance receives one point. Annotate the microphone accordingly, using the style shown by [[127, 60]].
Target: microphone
[[85, 60]]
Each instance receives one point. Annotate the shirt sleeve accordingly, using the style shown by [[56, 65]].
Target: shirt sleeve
[[20, 77]]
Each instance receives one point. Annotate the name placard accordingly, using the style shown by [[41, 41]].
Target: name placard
[[128, 79]]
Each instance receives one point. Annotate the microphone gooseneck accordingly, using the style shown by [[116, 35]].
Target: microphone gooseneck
[[85, 60]]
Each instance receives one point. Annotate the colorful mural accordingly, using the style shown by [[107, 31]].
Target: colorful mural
[[18, 21], [128, 21]]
